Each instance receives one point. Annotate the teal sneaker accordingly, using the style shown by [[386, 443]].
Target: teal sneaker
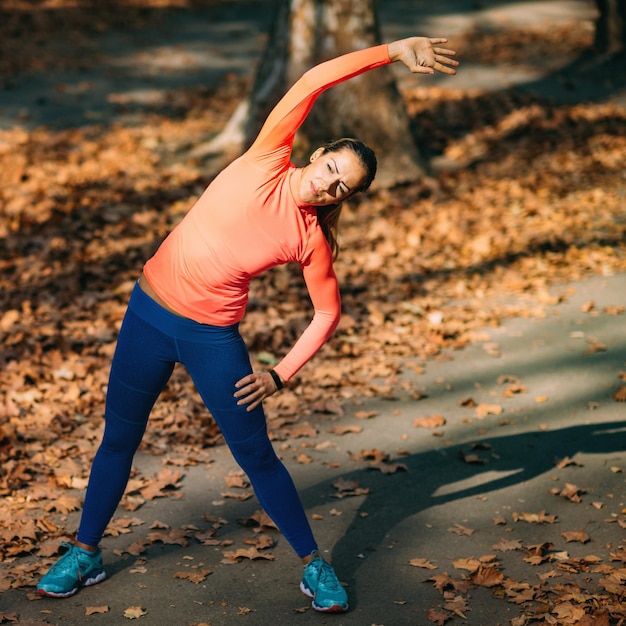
[[76, 568], [320, 582]]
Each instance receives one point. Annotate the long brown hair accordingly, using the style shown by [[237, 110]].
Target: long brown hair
[[328, 216]]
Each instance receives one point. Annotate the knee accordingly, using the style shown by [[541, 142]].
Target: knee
[[121, 436], [255, 455]]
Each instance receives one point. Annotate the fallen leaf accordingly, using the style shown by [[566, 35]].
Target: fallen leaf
[[487, 576], [388, 468], [577, 535], [251, 553], [421, 562], [432, 421], [92, 610], [134, 612], [344, 430], [195, 576], [483, 410], [535, 518], [459, 529], [505, 545], [620, 395], [571, 492], [437, 616]]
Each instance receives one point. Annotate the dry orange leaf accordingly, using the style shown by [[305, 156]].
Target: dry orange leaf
[[432, 421], [237, 480], [569, 491], [577, 535], [437, 616], [175, 536], [64, 504], [134, 612], [242, 497], [487, 576], [389, 468], [421, 562], [459, 529], [93, 610], [535, 518], [259, 519], [483, 410], [505, 545], [620, 395], [348, 488], [343, 430], [251, 553], [195, 576]]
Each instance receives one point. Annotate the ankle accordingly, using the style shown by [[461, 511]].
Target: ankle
[[310, 557], [84, 546]]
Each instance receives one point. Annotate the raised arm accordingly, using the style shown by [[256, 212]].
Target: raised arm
[[421, 55]]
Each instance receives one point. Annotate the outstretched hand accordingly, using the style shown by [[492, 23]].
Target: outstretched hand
[[423, 56]]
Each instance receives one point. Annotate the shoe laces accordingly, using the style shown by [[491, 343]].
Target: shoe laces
[[67, 560], [327, 576], [62, 564]]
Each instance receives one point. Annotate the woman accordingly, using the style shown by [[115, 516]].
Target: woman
[[261, 211]]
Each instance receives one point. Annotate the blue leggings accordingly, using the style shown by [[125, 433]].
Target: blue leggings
[[150, 342]]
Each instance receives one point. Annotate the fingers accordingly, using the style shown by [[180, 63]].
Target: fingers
[[253, 389], [438, 62], [445, 65], [446, 51]]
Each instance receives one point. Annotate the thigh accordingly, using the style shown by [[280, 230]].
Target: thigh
[[142, 364], [215, 368]]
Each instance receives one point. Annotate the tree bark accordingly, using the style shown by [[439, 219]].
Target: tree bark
[[610, 33], [368, 107]]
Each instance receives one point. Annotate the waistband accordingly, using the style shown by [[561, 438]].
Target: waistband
[[151, 312]]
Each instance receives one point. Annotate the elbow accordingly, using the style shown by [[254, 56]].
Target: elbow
[[328, 320]]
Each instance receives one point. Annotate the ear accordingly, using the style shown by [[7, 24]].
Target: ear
[[316, 154]]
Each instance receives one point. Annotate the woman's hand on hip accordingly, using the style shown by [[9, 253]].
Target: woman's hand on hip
[[254, 388]]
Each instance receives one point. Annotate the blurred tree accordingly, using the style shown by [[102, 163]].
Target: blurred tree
[[368, 107], [610, 35]]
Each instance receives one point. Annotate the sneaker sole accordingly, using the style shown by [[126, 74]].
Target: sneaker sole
[[306, 591], [87, 583], [336, 608]]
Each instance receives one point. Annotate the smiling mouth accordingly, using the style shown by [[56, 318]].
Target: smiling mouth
[[314, 190]]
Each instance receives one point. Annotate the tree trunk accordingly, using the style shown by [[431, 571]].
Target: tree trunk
[[610, 34], [368, 107]]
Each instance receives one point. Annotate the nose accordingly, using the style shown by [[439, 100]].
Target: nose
[[331, 182]]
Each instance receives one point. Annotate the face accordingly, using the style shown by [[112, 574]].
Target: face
[[331, 177]]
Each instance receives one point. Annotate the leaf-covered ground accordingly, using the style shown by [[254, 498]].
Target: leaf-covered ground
[[530, 193]]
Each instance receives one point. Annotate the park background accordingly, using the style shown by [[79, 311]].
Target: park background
[[522, 203]]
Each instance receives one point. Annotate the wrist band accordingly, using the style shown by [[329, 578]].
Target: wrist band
[[277, 381]]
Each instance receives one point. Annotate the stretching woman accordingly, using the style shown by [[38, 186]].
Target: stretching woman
[[261, 211]]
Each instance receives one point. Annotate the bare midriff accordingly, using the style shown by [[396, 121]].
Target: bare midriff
[[147, 289]]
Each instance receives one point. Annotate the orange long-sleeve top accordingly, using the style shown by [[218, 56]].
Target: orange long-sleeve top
[[249, 220]]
